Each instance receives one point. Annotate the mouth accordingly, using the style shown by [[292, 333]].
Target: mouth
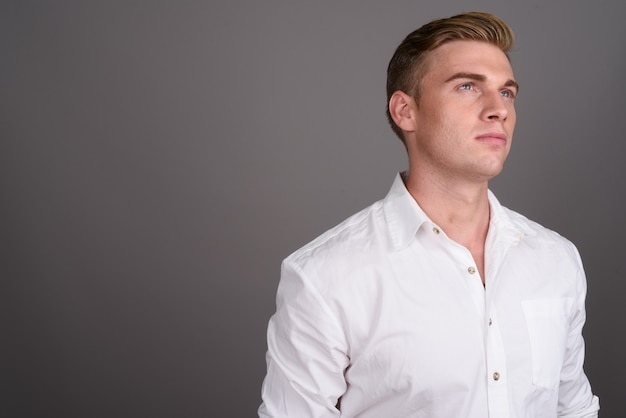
[[496, 138]]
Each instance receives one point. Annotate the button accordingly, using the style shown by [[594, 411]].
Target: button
[[496, 376], [436, 230], [490, 322], [471, 270]]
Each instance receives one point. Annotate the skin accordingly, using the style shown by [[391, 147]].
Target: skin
[[458, 137]]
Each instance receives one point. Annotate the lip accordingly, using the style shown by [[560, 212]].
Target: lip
[[493, 138]]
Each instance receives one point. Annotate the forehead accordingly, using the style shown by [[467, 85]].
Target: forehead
[[468, 56]]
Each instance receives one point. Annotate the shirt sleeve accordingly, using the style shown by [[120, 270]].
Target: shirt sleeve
[[575, 397], [307, 353]]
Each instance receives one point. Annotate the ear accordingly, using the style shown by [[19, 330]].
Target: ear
[[402, 109]]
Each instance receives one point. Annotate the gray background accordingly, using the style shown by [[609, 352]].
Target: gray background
[[159, 159]]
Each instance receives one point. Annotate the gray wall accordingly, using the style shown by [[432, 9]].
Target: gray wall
[[159, 159]]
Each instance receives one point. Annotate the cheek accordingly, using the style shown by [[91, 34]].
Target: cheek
[[442, 127], [511, 120], [451, 126]]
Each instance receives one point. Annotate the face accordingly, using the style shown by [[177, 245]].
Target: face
[[465, 116]]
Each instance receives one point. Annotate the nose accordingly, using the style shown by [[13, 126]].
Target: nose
[[495, 107]]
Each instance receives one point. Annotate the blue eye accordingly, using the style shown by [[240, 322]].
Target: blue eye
[[508, 93], [465, 86]]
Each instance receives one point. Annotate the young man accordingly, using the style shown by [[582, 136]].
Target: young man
[[435, 301]]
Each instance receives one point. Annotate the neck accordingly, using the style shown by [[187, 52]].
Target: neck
[[460, 208]]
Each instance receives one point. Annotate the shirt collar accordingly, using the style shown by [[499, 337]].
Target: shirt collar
[[404, 216], [503, 219]]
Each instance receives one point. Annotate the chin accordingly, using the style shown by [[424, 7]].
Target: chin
[[489, 173]]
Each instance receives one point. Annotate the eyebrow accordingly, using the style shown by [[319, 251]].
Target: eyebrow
[[480, 77]]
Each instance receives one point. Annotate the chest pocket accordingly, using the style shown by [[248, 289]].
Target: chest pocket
[[548, 323]]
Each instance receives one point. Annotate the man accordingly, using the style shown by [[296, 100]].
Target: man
[[435, 301]]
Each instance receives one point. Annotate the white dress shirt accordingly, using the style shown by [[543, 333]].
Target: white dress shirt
[[384, 316]]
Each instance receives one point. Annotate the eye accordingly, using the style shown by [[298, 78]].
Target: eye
[[508, 93], [466, 86]]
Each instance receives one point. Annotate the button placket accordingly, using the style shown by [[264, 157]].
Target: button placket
[[496, 365]]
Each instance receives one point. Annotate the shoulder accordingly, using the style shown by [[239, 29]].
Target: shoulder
[[359, 237], [539, 236]]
